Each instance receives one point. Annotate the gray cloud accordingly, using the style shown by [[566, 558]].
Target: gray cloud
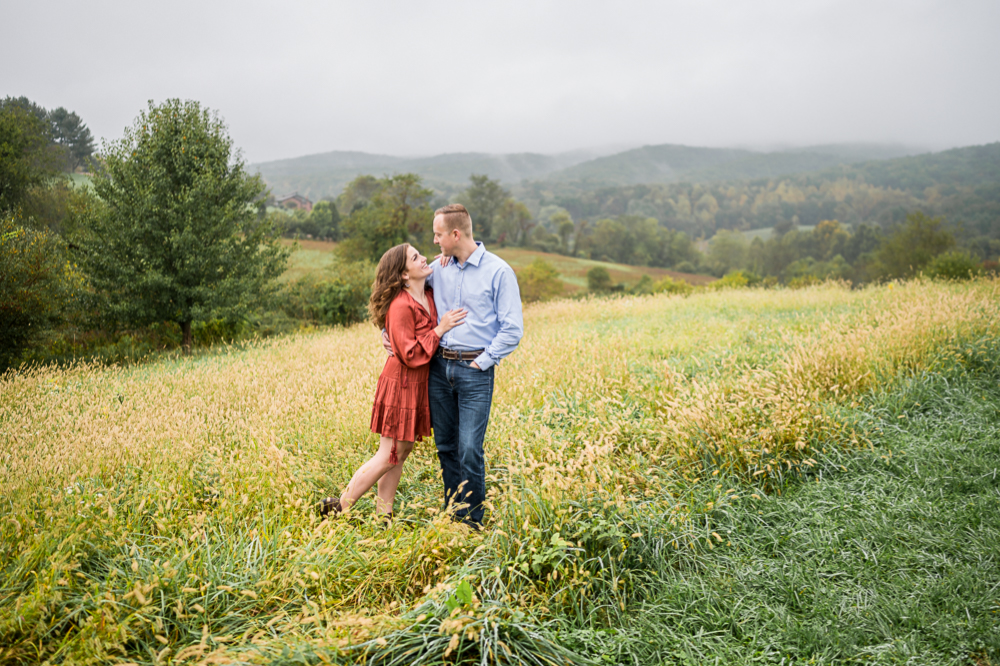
[[425, 77]]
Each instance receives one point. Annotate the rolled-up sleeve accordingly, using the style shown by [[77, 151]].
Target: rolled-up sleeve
[[507, 301]]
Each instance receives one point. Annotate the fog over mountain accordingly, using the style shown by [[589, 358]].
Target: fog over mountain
[[436, 77], [325, 174]]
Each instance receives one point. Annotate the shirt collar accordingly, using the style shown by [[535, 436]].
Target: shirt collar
[[477, 254]]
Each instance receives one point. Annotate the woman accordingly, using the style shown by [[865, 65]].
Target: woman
[[401, 413]]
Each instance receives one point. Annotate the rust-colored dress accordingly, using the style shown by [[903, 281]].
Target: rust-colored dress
[[402, 410]]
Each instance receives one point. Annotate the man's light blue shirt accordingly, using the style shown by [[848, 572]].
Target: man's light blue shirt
[[486, 286]]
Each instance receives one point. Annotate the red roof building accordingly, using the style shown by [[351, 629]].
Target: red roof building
[[296, 201]]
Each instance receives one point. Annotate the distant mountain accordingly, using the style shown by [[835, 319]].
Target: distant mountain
[[325, 174], [672, 163], [970, 167], [649, 164], [962, 185]]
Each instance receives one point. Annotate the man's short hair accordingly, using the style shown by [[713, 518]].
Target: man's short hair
[[456, 217]]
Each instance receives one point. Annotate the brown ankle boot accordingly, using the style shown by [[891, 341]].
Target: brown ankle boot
[[330, 505]]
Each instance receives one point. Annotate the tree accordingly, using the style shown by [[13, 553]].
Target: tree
[[727, 252], [69, 137], [913, 245], [866, 239], [598, 279], [539, 281], [564, 227], [36, 285], [829, 239], [954, 265], [398, 212], [69, 132], [326, 217], [25, 161], [514, 223], [484, 199], [357, 193], [180, 238]]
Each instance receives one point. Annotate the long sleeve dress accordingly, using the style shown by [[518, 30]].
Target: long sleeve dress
[[402, 409]]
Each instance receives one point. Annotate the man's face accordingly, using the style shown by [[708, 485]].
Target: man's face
[[446, 239]]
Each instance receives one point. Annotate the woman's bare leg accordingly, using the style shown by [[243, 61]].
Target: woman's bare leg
[[373, 470], [389, 481]]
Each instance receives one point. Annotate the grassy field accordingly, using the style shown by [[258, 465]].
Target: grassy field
[[313, 256], [750, 476], [308, 257], [573, 270]]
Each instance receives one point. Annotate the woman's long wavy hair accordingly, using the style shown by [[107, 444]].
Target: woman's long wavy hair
[[388, 282]]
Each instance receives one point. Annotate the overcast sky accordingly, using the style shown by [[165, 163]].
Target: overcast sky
[[411, 77]]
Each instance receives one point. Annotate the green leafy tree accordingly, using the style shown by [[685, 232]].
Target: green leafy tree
[[337, 298], [398, 212], [539, 281], [599, 280], [829, 239], [358, 193], [544, 241], [727, 252], [866, 239], [514, 223], [326, 219], [73, 136], [37, 285], [25, 160], [564, 227], [484, 200], [913, 245], [611, 241], [180, 237], [954, 265]]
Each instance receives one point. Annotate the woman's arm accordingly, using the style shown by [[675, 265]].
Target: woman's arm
[[412, 350]]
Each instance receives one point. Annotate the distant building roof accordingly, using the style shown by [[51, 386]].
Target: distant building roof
[[295, 200]]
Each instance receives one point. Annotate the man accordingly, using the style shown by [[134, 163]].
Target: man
[[460, 387]]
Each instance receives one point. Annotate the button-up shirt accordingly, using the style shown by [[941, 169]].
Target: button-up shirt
[[486, 286]]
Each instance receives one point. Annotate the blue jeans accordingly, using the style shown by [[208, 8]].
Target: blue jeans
[[460, 398]]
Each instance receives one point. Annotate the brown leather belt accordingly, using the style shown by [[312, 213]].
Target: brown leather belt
[[457, 355]]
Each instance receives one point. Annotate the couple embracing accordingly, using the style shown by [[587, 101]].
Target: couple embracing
[[440, 368]]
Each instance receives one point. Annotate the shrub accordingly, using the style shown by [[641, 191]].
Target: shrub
[[37, 284], [954, 265], [643, 286], [685, 267], [733, 280], [340, 298], [670, 286], [539, 281], [598, 279]]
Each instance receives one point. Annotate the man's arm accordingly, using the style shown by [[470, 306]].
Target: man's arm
[[508, 305]]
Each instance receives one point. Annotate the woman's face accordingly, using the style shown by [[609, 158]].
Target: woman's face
[[416, 265]]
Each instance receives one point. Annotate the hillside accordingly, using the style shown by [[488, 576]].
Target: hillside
[[968, 167], [315, 257], [962, 184], [325, 174], [672, 163], [573, 270]]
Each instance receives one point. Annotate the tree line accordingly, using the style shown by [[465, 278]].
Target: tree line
[[174, 239], [171, 231]]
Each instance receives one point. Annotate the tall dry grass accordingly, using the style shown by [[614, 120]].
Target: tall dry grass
[[166, 511]]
